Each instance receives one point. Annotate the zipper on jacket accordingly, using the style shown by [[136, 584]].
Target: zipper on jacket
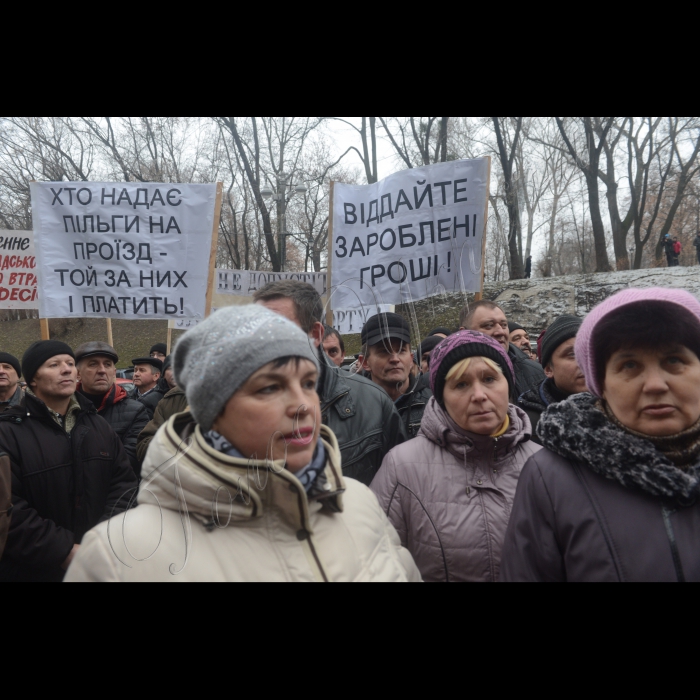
[[677, 563]]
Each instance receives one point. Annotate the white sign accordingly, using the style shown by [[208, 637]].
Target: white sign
[[18, 275], [244, 283], [414, 235], [352, 321], [132, 250]]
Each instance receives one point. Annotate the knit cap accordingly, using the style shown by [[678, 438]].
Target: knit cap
[[215, 359], [40, 353], [459, 347], [7, 359], [563, 329], [676, 300]]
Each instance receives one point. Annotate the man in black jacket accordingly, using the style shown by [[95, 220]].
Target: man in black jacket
[[147, 389], [5, 500], [564, 376], [360, 414], [69, 469], [97, 376], [488, 318], [387, 358]]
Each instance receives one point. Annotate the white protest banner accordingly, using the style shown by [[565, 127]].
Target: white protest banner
[[18, 278], [414, 235], [244, 283], [130, 251], [352, 321]]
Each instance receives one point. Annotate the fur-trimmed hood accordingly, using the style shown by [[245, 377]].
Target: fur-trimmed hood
[[578, 430]]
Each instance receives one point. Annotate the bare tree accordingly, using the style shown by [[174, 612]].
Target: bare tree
[[508, 132]]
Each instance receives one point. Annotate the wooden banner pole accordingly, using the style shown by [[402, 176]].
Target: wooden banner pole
[[110, 335], [329, 280], [214, 246], [170, 340], [45, 334], [480, 295]]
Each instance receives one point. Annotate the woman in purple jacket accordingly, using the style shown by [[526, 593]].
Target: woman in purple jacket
[[615, 497], [449, 492]]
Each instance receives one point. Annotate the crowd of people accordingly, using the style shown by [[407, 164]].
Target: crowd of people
[[260, 452]]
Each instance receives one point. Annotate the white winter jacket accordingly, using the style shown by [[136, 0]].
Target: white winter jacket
[[206, 517]]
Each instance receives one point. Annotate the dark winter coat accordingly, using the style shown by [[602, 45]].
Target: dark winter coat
[[62, 486], [600, 505], [5, 499], [363, 418], [696, 242], [411, 406], [150, 401], [536, 401], [173, 402], [529, 374], [127, 418]]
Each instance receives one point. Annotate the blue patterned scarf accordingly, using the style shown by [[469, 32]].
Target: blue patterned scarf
[[308, 476]]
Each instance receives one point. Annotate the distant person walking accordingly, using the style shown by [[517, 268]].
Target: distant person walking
[[670, 250], [677, 250], [528, 268], [696, 243]]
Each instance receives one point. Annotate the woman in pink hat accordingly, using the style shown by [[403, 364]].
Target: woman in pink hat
[[450, 492], [615, 497]]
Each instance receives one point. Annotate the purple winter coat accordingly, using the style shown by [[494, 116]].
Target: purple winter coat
[[450, 493]]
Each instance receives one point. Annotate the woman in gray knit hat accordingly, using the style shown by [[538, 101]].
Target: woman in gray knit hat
[[248, 486]]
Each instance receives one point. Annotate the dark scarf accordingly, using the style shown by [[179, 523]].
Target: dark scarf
[[580, 431], [682, 449], [540, 399]]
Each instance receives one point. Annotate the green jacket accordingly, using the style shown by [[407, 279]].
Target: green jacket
[[171, 404]]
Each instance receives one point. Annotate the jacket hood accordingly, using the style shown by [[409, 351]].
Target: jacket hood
[[440, 429], [578, 430], [185, 474]]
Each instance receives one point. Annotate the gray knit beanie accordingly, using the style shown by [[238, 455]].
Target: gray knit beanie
[[215, 359]]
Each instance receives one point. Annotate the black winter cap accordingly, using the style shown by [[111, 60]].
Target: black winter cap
[[152, 361], [42, 352], [386, 327], [440, 331], [512, 327], [160, 348], [7, 359], [563, 329]]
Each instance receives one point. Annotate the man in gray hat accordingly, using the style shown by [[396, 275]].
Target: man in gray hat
[[97, 377], [147, 391]]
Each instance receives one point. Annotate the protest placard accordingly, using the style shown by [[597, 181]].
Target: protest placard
[[129, 251], [244, 283], [414, 235], [18, 278], [352, 321]]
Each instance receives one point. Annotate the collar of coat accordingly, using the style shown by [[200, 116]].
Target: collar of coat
[[579, 431], [183, 473], [115, 395], [439, 428]]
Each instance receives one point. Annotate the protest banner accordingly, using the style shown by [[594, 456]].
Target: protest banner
[[416, 234], [18, 275], [352, 321], [244, 283], [129, 251]]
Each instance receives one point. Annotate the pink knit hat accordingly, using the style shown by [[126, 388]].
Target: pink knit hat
[[676, 299]]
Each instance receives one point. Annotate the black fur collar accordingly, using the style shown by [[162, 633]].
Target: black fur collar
[[579, 431]]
